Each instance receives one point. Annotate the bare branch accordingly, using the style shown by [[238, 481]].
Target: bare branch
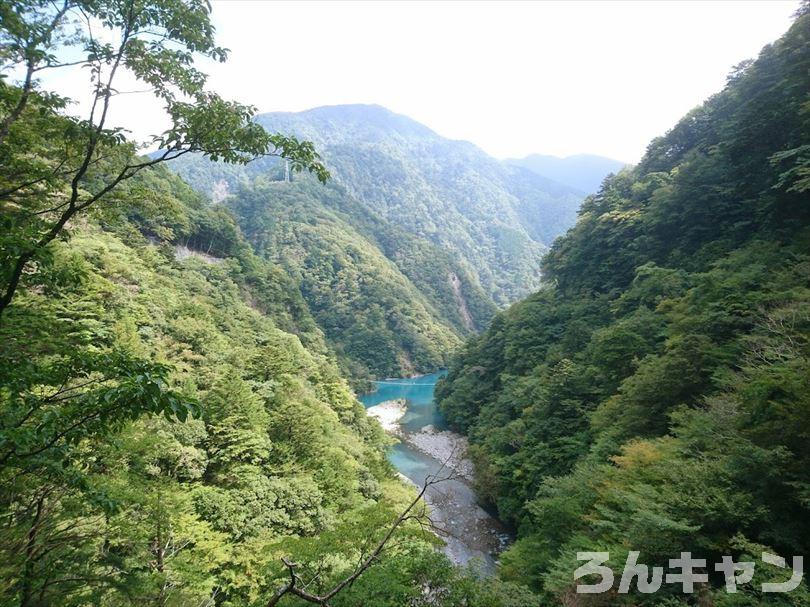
[[297, 588]]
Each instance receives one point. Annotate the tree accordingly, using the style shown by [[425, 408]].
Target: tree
[[55, 166]]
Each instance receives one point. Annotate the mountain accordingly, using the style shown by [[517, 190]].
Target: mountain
[[654, 396], [447, 232], [583, 172], [448, 192], [390, 304]]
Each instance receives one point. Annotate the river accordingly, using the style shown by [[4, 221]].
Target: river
[[474, 536]]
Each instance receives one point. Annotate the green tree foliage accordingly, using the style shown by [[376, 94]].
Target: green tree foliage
[[132, 507], [278, 458], [654, 396], [54, 168], [465, 231]]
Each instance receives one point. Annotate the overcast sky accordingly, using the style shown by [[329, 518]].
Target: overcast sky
[[513, 78]]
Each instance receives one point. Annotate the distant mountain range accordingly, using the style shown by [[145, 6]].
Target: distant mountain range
[[496, 218], [414, 242], [583, 172]]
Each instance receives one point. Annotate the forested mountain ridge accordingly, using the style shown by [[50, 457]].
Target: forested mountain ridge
[[654, 395], [391, 304], [448, 192]]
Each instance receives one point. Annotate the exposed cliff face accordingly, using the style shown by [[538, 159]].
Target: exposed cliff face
[[466, 317], [220, 191]]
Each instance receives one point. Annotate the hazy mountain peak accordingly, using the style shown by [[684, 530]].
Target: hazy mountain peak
[[584, 172]]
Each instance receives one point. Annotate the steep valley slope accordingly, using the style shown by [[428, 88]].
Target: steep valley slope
[[412, 246]]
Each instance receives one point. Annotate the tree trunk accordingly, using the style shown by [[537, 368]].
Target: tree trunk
[[27, 582]]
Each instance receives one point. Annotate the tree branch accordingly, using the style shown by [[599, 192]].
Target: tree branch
[[295, 587], [30, 69]]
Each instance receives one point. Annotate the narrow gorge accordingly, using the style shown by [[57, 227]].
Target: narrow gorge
[[406, 408]]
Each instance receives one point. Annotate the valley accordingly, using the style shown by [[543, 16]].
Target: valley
[[334, 357], [470, 534], [413, 245]]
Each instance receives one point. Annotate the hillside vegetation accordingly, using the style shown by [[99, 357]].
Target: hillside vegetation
[[274, 456], [448, 192], [446, 232], [654, 396], [390, 303]]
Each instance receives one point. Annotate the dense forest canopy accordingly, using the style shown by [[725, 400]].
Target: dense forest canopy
[[450, 192], [383, 297], [487, 213], [654, 396]]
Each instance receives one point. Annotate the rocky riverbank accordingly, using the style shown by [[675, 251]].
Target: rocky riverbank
[[443, 445], [388, 414], [405, 409], [446, 446]]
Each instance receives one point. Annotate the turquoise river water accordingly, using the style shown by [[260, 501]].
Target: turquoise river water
[[473, 535]]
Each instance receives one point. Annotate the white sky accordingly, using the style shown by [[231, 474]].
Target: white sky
[[512, 77]]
